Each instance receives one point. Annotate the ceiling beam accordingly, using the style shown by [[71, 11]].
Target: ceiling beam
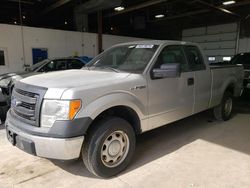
[[22, 1], [137, 7], [192, 13], [221, 9], [55, 6]]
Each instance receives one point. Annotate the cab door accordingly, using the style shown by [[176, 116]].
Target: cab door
[[170, 99], [202, 77]]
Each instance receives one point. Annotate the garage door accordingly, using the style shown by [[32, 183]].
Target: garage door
[[219, 42]]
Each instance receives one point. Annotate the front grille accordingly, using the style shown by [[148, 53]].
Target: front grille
[[26, 103]]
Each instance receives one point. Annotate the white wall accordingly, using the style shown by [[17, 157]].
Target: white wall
[[10, 41], [58, 42], [217, 41], [244, 45]]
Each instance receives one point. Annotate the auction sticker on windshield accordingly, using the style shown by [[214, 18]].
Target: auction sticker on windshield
[[144, 46]]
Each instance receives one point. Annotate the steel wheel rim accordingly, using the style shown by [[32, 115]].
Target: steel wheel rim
[[228, 106], [115, 149]]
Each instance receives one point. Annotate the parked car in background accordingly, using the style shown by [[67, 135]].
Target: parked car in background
[[95, 113], [8, 80], [244, 59]]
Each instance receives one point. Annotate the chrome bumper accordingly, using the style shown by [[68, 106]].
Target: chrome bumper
[[47, 147]]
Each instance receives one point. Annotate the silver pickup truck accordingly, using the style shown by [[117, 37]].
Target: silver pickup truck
[[95, 113]]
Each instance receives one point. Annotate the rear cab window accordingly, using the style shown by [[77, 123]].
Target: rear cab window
[[194, 57]]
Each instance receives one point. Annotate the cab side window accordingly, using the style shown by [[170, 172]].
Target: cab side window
[[172, 54], [54, 65], [75, 64], [194, 58]]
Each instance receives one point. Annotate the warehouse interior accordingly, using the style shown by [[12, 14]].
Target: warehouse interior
[[196, 151]]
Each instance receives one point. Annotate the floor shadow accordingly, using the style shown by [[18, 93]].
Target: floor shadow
[[157, 143], [242, 104], [75, 167], [154, 144], [2, 126]]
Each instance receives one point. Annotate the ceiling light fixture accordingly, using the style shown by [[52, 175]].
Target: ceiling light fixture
[[228, 2], [159, 16], [120, 8], [65, 22], [24, 17]]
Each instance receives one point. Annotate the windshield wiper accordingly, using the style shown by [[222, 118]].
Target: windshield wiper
[[111, 68], [85, 67], [105, 67]]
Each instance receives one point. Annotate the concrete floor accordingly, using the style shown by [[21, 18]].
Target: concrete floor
[[194, 152]]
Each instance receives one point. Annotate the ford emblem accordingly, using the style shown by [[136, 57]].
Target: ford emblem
[[15, 102]]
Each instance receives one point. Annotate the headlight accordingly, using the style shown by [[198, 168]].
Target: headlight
[[53, 110], [5, 82]]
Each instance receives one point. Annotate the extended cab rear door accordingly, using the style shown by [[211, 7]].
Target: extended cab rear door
[[170, 99], [202, 77]]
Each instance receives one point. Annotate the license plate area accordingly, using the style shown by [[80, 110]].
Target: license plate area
[[21, 142], [11, 136]]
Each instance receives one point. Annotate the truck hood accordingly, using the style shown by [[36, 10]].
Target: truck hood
[[73, 78]]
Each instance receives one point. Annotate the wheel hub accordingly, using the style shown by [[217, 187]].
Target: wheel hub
[[228, 106], [115, 149]]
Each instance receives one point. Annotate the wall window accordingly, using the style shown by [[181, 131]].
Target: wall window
[[226, 58], [211, 58], [2, 58]]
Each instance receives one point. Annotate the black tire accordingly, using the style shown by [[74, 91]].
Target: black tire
[[2, 114], [220, 112], [95, 145]]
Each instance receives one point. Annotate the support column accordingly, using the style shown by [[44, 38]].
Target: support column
[[99, 17]]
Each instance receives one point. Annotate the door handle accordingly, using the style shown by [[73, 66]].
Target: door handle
[[190, 81]]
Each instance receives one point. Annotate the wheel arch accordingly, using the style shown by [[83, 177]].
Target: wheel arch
[[124, 112], [124, 103]]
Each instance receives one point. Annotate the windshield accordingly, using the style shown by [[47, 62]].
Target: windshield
[[128, 58], [241, 59], [36, 66]]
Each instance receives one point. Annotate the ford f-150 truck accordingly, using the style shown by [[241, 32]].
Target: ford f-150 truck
[[95, 113]]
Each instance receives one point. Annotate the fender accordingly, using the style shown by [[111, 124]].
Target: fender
[[230, 81], [118, 98]]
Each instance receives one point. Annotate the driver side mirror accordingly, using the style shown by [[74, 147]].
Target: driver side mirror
[[171, 70]]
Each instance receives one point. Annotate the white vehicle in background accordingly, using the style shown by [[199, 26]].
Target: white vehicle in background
[[95, 113]]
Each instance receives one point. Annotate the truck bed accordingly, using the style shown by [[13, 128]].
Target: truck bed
[[222, 76]]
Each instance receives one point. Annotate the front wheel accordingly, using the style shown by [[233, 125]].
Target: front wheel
[[224, 110], [109, 147]]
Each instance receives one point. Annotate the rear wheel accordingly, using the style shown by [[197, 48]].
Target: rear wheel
[[109, 147], [224, 110]]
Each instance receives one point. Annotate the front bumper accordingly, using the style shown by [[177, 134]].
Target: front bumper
[[63, 141], [47, 147]]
